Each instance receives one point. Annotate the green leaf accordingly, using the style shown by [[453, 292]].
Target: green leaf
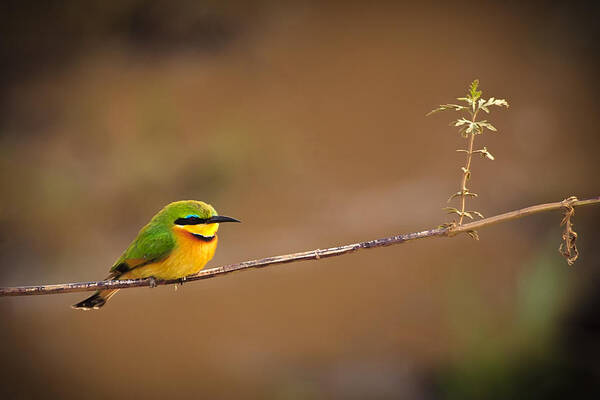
[[472, 127], [480, 215], [496, 102], [480, 103], [501, 102], [457, 194], [473, 234], [487, 125], [445, 107], [451, 210], [473, 92], [460, 122], [485, 153]]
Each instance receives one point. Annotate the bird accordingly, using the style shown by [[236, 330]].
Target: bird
[[178, 241]]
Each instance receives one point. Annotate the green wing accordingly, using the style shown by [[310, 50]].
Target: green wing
[[152, 244]]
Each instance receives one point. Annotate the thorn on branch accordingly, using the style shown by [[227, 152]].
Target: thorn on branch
[[152, 281]]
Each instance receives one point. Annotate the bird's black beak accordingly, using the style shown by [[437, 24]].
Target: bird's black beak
[[220, 218]]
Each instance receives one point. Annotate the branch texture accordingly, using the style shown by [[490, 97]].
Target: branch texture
[[306, 255]]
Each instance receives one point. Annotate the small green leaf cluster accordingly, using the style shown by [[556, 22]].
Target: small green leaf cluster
[[474, 104]]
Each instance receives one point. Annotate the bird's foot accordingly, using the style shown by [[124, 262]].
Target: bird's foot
[[182, 280], [152, 281]]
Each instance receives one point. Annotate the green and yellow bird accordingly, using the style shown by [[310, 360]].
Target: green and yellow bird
[[177, 242]]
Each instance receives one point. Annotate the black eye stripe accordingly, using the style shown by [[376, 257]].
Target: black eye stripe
[[190, 221]]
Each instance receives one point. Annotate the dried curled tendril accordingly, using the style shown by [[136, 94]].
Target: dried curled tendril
[[568, 248]]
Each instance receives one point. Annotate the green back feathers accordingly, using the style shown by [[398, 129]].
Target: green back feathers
[[155, 241]]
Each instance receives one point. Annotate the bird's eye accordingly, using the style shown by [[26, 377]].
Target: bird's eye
[[190, 220]]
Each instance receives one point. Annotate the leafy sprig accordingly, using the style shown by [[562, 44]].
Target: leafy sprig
[[469, 127]]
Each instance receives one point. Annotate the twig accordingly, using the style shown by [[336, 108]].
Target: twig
[[466, 173], [468, 129], [288, 258]]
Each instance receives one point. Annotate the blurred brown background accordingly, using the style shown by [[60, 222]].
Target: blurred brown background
[[306, 120]]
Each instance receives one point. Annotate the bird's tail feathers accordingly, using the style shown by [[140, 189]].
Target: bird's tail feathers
[[95, 301]]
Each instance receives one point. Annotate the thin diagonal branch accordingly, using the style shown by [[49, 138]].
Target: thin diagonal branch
[[288, 258]]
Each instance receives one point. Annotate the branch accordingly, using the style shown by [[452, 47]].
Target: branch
[[288, 258]]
